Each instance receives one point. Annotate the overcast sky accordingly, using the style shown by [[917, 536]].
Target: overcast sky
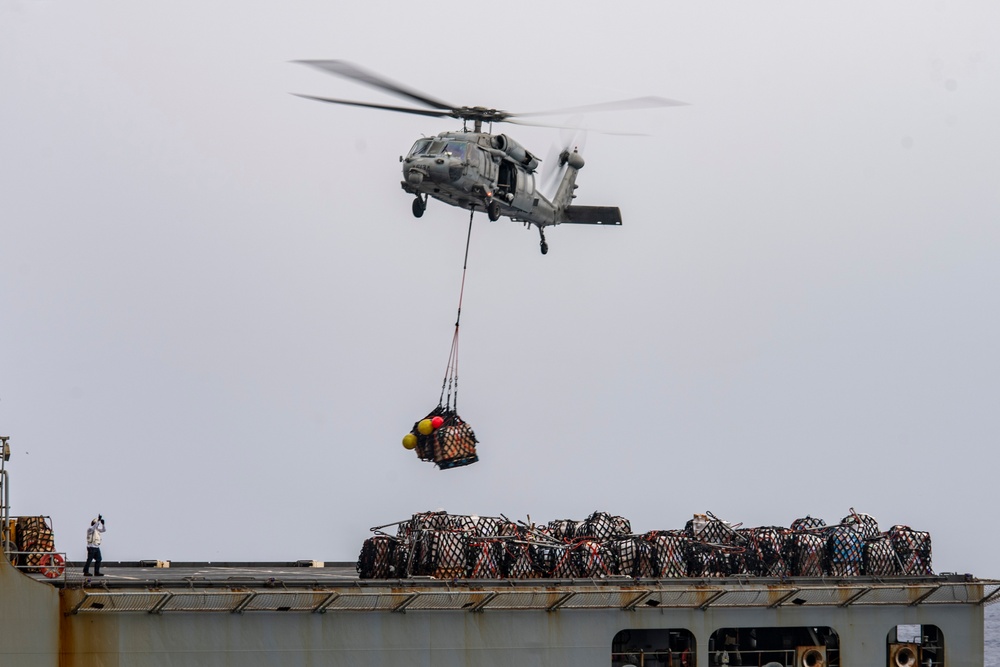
[[218, 316]]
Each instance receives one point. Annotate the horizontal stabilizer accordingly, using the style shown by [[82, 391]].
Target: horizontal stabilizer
[[593, 215]]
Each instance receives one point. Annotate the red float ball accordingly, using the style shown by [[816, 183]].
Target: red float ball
[[437, 422]]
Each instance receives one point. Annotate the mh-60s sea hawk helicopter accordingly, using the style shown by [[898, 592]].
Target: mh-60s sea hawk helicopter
[[481, 171]]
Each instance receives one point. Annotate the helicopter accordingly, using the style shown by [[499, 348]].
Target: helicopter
[[482, 171]]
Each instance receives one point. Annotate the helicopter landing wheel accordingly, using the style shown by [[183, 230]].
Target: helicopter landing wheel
[[493, 211], [419, 206], [545, 248]]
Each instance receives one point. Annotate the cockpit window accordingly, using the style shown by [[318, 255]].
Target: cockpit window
[[456, 149], [420, 148]]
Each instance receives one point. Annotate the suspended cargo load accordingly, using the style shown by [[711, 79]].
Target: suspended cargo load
[[443, 438]]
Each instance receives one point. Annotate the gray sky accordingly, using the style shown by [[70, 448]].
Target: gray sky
[[218, 316]]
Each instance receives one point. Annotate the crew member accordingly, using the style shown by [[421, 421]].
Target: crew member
[[94, 547]]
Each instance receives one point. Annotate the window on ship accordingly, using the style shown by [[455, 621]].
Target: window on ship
[[653, 648], [770, 647], [912, 645]]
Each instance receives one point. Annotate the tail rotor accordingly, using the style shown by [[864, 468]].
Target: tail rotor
[[570, 139]]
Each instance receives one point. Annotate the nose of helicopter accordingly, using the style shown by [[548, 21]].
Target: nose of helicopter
[[439, 169], [414, 176]]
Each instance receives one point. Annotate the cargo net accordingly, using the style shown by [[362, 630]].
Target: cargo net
[[913, 550], [443, 438], [35, 540], [453, 546]]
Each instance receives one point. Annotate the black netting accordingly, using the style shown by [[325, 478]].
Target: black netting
[[557, 561], [763, 554], [603, 526], [592, 559], [455, 546], [563, 529], [518, 562], [439, 553], [622, 526], [455, 444], [863, 523], [878, 557], [451, 445], [424, 521], [508, 528], [478, 526], [714, 531], [633, 555], [378, 558], [708, 560], [402, 559], [844, 547], [913, 548], [425, 443], [485, 558], [34, 535], [669, 553], [807, 523], [805, 554]]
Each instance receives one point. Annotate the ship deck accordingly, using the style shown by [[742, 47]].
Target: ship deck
[[323, 587]]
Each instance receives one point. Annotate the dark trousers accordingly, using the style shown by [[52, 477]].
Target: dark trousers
[[93, 555]]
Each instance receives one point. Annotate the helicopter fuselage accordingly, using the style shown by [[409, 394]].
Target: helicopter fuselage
[[473, 169]]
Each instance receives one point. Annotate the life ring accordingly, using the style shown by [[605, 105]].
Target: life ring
[[52, 565]]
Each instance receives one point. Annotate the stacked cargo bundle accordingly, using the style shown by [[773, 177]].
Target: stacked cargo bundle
[[36, 540], [634, 555], [443, 545], [765, 552], [805, 547], [378, 558], [878, 558], [591, 559], [913, 550], [670, 548], [484, 558], [715, 548], [844, 547]]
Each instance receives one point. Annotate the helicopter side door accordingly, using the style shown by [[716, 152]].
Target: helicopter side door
[[482, 163], [524, 192]]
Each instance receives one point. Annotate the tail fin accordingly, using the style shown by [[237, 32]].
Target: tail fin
[[573, 163]]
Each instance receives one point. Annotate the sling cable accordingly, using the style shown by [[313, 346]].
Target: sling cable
[[442, 436]]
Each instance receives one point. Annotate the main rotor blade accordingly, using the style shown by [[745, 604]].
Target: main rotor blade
[[351, 71], [616, 133], [634, 103], [419, 112]]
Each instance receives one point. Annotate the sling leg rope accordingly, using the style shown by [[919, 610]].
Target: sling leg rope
[[451, 370]]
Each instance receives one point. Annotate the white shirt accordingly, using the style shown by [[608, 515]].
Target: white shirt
[[94, 534]]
